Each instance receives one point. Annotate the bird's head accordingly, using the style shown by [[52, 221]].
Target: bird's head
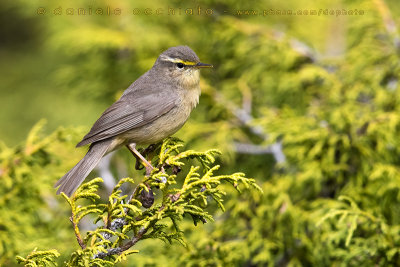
[[181, 65]]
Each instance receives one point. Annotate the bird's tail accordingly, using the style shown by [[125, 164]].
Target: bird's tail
[[73, 179]]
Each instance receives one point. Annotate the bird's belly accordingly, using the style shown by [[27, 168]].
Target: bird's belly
[[157, 130]]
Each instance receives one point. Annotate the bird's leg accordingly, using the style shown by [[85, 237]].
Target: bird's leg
[[147, 165], [138, 165]]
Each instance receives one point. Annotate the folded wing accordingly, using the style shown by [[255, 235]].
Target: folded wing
[[129, 113]]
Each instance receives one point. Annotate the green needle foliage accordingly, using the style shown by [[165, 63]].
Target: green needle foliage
[[39, 258], [30, 215], [124, 221]]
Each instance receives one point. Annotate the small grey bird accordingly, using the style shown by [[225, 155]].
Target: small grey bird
[[153, 107]]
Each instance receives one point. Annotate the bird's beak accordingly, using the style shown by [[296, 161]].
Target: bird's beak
[[203, 65]]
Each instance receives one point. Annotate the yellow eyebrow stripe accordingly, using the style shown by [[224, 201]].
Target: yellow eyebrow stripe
[[188, 63]]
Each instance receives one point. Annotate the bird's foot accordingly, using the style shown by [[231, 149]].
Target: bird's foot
[[149, 169], [140, 159]]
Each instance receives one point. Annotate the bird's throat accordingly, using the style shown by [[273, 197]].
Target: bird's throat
[[191, 79]]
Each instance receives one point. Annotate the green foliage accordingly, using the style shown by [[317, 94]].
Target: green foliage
[[26, 195], [338, 122], [324, 87], [39, 258], [126, 221]]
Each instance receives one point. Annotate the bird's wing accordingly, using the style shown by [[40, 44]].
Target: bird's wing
[[129, 112]]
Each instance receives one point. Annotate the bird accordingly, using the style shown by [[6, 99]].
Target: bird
[[152, 108]]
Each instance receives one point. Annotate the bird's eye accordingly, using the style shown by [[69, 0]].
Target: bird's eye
[[180, 65]]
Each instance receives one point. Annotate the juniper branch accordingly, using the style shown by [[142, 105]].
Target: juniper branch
[[76, 231], [113, 251], [128, 245], [125, 224]]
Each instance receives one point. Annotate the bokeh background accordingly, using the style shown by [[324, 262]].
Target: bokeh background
[[307, 104]]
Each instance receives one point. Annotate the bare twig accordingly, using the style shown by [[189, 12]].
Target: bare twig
[[245, 119], [275, 149], [136, 239]]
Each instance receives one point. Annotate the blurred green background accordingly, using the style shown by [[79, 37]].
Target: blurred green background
[[305, 103]]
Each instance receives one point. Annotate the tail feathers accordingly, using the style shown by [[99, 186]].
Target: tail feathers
[[73, 179]]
